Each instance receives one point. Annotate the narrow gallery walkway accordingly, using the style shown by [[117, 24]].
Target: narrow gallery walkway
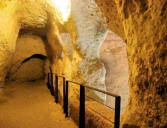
[[30, 105]]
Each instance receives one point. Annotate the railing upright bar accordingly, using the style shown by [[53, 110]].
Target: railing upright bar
[[117, 112], [51, 85], [66, 99], [48, 82], [64, 85], [56, 89], [82, 107], [82, 123]]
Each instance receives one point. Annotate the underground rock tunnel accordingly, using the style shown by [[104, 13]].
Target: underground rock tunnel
[[87, 52]]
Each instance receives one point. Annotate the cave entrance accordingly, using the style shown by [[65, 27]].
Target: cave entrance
[[114, 56]]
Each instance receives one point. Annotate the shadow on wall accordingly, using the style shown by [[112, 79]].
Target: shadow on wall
[[32, 68], [37, 56], [113, 55]]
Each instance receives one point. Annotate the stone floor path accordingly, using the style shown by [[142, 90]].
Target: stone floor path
[[30, 105]]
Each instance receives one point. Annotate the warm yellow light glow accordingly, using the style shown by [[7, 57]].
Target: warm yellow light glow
[[63, 8]]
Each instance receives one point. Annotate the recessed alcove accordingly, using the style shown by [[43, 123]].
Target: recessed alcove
[[114, 56], [28, 61]]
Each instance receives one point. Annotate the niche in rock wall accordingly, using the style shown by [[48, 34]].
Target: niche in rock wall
[[29, 59], [113, 55], [31, 68]]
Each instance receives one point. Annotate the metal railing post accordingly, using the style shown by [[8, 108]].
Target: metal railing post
[[82, 122], [48, 82], [56, 89], [117, 112], [51, 86], [64, 84], [82, 107], [66, 99]]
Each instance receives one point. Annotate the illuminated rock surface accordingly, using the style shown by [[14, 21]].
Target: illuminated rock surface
[[113, 55], [28, 60], [144, 29], [141, 24]]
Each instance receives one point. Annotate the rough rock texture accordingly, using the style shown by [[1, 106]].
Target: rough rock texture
[[89, 23], [113, 55], [29, 71], [27, 46], [16, 15], [81, 61], [142, 25], [145, 28], [8, 34]]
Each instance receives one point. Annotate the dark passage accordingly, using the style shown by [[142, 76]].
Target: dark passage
[[38, 56]]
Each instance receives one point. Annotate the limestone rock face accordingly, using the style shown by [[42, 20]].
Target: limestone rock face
[[142, 24], [81, 61], [113, 55], [16, 15], [27, 63], [29, 71], [110, 12], [145, 27], [91, 25], [8, 34]]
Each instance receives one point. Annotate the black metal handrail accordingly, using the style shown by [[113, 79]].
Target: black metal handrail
[[54, 92]]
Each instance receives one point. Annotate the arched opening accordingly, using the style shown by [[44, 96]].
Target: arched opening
[[113, 55], [37, 56], [28, 60]]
